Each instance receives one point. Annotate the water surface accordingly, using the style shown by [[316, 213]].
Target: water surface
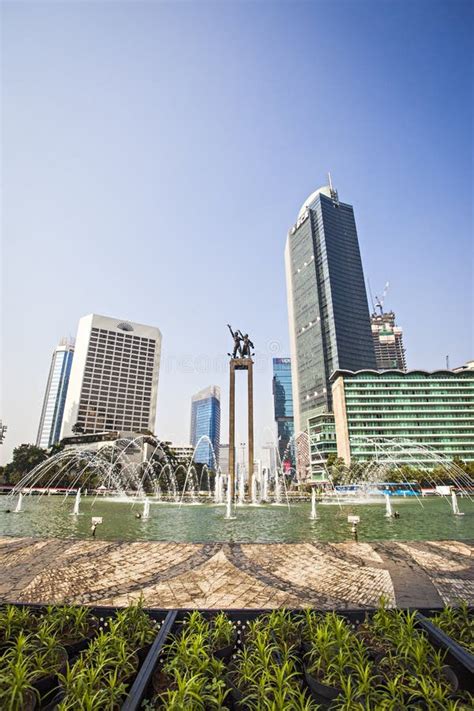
[[50, 516]]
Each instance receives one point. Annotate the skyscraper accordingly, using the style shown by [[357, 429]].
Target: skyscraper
[[206, 422], [283, 407], [388, 342], [51, 420], [114, 377], [327, 303]]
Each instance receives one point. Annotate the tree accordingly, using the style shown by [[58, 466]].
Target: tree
[[26, 457]]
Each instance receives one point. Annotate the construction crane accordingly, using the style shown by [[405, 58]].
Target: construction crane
[[380, 302]]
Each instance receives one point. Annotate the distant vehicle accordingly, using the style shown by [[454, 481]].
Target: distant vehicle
[[378, 489]]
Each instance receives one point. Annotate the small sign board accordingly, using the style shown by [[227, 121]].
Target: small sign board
[[96, 519], [353, 519], [443, 490]]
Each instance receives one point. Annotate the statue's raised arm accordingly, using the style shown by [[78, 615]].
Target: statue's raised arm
[[237, 351]]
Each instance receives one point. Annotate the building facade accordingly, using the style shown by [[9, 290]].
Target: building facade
[[182, 452], [322, 443], [283, 409], [388, 342], [51, 420], [114, 377], [224, 459], [423, 414], [328, 311], [206, 424]]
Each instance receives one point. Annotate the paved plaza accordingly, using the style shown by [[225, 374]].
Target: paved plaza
[[223, 575]]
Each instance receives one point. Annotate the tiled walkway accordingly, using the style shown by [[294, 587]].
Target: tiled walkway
[[222, 575]]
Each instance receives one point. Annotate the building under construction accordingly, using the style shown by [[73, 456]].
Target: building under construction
[[388, 342]]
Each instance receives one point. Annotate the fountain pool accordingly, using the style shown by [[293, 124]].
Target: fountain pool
[[49, 516]]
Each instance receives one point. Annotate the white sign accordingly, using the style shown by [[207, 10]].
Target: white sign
[[96, 519], [443, 490], [353, 519]]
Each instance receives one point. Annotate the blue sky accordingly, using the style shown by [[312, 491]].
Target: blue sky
[[155, 155]]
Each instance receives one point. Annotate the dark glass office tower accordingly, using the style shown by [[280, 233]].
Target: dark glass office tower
[[327, 302], [206, 425], [283, 408]]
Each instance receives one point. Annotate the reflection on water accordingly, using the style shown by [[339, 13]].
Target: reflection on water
[[51, 517]]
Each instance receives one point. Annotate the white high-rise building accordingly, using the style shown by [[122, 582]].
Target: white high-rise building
[[114, 377], [55, 396]]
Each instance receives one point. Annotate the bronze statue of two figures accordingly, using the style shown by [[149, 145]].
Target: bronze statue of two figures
[[242, 344]]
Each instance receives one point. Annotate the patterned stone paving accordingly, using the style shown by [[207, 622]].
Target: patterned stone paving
[[231, 575]]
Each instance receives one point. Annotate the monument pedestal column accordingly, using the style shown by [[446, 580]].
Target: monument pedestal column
[[240, 364]]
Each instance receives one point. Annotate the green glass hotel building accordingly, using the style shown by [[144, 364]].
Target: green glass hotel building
[[421, 413], [328, 314]]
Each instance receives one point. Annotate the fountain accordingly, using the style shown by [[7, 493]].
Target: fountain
[[255, 500], [314, 515], [77, 500], [219, 488], [228, 509], [265, 484], [241, 485], [19, 502], [454, 504], [117, 476], [277, 489]]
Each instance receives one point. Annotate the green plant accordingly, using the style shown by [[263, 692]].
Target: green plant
[[135, 625], [16, 687], [14, 620], [69, 623], [222, 631], [458, 623]]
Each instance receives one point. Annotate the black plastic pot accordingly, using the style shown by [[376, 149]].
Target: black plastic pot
[[73, 648], [450, 677], [46, 684], [322, 693], [161, 682], [225, 653], [235, 696]]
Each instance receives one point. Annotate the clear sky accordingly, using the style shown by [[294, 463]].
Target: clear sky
[[155, 154]]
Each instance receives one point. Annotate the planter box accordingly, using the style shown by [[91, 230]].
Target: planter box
[[171, 621], [51, 693]]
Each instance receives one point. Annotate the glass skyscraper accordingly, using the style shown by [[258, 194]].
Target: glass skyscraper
[[283, 407], [55, 396], [327, 302], [206, 422]]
